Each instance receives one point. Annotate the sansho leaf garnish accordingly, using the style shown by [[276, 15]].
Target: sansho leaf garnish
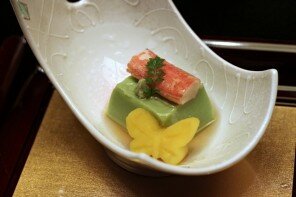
[[146, 87]]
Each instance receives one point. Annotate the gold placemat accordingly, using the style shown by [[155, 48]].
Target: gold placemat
[[66, 160]]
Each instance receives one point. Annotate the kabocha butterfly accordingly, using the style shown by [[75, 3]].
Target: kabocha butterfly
[[168, 144]]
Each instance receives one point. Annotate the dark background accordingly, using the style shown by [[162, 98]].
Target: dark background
[[270, 20]]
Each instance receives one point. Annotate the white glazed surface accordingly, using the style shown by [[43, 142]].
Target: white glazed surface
[[84, 48]]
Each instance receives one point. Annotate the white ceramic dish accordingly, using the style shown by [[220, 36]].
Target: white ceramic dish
[[84, 47]]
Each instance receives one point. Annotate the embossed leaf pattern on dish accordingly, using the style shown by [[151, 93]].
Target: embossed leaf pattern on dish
[[84, 47]]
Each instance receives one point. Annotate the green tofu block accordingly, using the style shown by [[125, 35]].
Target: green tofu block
[[124, 100]]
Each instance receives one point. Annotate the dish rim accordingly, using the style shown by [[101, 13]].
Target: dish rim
[[147, 160]]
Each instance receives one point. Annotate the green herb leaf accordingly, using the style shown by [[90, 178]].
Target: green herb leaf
[[147, 92], [158, 80], [146, 87], [154, 91], [149, 81], [155, 63]]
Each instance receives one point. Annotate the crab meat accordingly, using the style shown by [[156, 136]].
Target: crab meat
[[177, 86]]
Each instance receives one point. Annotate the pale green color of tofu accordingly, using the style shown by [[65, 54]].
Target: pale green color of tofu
[[124, 100]]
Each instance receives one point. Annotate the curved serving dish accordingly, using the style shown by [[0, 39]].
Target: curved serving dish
[[84, 48]]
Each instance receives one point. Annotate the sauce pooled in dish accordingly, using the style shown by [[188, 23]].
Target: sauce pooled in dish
[[161, 106]]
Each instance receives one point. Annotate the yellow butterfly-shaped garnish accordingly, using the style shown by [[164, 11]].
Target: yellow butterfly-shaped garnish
[[168, 144]]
